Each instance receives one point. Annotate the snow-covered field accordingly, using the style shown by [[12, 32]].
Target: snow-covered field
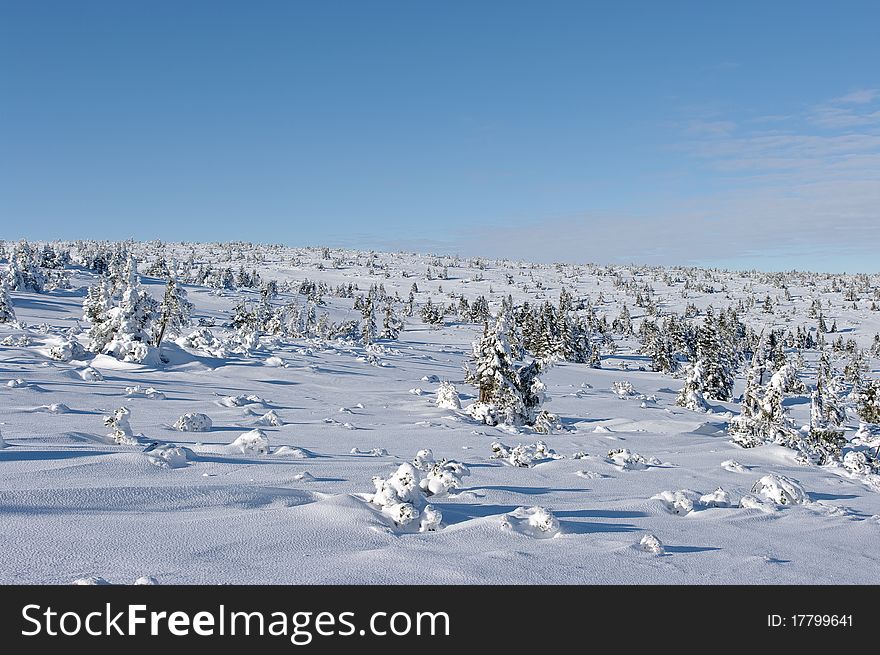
[[277, 485]]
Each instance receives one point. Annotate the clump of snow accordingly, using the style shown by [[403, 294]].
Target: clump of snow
[[440, 476], [67, 350], [270, 418], [537, 522], [146, 580], [118, 422], [750, 502], [90, 374], [139, 392], [523, 455], [194, 422], [54, 408], [254, 442], [373, 452], [276, 362], [447, 396], [733, 466], [780, 490], [679, 502], [651, 544], [400, 498], [17, 383], [417, 392], [168, 456], [204, 340], [241, 400], [430, 378], [91, 580], [292, 452], [305, 476], [718, 498], [623, 389], [626, 460]]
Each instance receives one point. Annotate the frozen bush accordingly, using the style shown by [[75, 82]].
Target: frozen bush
[[537, 522], [193, 422], [651, 544], [679, 502], [254, 442], [626, 460], [168, 456], [623, 389], [67, 350], [447, 396], [523, 455], [780, 490], [121, 429], [718, 498], [90, 374]]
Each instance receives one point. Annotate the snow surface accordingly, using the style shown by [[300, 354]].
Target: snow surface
[[236, 503]]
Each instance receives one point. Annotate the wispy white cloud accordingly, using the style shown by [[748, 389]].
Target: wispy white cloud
[[805, 194]]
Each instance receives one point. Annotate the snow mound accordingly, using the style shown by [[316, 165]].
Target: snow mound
[[305, 476], [447, 396], [146, 580], [750, 502], [524, 455], [90, 374], [733, 466], [626, 460], [139, 392], [168, 456], [292, 452], [535, 522], [194, 422], [275, 362], [91, 580], [373, 452], [780, 490], [651, 544], [54, 408], [17, 383], [679, 502], [718, 498], [241, 400], [253, 442], [270, 418]]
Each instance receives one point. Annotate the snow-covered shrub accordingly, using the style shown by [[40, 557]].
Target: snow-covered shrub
[[241, 400], [439, 477], [90, 374], [537, 522], [860, 463], [780, 490], [523, 455], [194, 422], [651, 544], [270, 418], [16, 383], [400, 497], [204, 340], [623, 389], [447, 396], [254, 442], [67, 350], [718, 498], [691, 394], [168, 456], [7, 314], [121, 429], [150, 393], [627, 460], [547, 423], [679, 502], [733, 466]]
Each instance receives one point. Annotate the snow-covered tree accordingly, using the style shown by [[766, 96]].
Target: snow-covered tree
[[7, 314], [391, 323], [691, 394], [24, 272], [174, 310], [368, 323]]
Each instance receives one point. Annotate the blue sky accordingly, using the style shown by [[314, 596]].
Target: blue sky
[[734, 134]]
